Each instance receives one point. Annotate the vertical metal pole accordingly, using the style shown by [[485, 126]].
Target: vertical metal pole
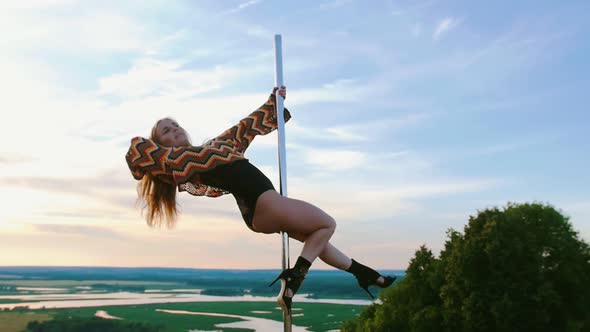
[[282, 156]]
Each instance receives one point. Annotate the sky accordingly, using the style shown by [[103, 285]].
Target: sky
[[408, 117]]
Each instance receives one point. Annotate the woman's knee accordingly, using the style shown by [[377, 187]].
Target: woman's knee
[[328, 224], [331, 224], [325, 223]]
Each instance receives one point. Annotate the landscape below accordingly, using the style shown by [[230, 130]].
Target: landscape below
[[175, 299]]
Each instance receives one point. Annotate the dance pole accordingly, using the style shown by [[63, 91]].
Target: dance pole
[[282, 157]]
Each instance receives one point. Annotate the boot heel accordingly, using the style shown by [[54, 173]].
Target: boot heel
[[281, 276], [272, 283], [366, 277], [291, 279], [368, 292]]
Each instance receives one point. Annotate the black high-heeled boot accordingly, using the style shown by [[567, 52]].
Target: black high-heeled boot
[[366, 277], [291, 279]]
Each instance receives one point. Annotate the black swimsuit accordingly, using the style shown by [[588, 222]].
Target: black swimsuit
[[243, 180]]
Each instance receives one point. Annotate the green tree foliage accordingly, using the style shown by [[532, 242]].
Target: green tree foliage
[[522, 268], [93, 324]]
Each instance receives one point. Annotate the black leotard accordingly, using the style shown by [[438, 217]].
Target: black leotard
[[244, 181]]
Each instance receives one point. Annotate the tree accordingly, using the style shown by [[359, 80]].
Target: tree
[[522, 268], [412, 304]]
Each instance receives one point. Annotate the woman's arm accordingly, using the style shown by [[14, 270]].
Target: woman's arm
[[262, 121], [146, 156]]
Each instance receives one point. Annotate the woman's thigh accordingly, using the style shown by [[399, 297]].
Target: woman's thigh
[[275, 213]]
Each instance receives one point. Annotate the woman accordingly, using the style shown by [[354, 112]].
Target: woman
[[167, 161]]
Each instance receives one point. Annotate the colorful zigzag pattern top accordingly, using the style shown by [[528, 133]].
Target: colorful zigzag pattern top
[[181, 165]]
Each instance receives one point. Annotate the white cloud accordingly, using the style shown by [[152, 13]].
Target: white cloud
[[99, 30], [412, 9], [344, 134], [510, 146], [258, 31], [340, 91], [347, 196], [444, 26], [32, 4], [149, 76], [15, 159], [240, 7], [297, 131], [80, 230], [402, 121], [93, 129], [357, 131], [421, 190], [335, 160]]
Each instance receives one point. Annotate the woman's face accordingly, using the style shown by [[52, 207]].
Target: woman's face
[[169, 133]]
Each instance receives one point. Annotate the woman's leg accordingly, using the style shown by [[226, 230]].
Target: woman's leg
[[303, 222], [275, 213], [309, 224], [331, 255]]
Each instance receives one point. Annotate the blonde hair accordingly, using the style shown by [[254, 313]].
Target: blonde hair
[[159, 197]]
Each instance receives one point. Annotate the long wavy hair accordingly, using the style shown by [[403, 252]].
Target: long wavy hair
[[159, 197]]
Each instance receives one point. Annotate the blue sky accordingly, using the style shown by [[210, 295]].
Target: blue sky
[[408, 116]]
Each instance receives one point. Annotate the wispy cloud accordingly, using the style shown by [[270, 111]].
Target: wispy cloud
[[357, 131], [344, 134], [34, 4], [106, 197], [149, 76], [507, 147], [342, 90], [100, 31], [46, 184], [79, 230], [258, 31], [336, 160], [107, 179], [416, 6], [84, 213], [420, 190], [240, 7], [15, 159], [444, 26], [348, 197]]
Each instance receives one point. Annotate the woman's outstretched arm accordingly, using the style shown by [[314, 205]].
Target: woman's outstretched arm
[[262, 121]]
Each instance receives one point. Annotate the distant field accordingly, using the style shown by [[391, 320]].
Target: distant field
[[17, 321], [320, 317], [315, 316], [9, 301]]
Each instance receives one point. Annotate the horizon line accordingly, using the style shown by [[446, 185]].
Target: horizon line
[[160, 267]]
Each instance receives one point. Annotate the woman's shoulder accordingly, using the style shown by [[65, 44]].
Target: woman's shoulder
[[137, 139], [140, 141]]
